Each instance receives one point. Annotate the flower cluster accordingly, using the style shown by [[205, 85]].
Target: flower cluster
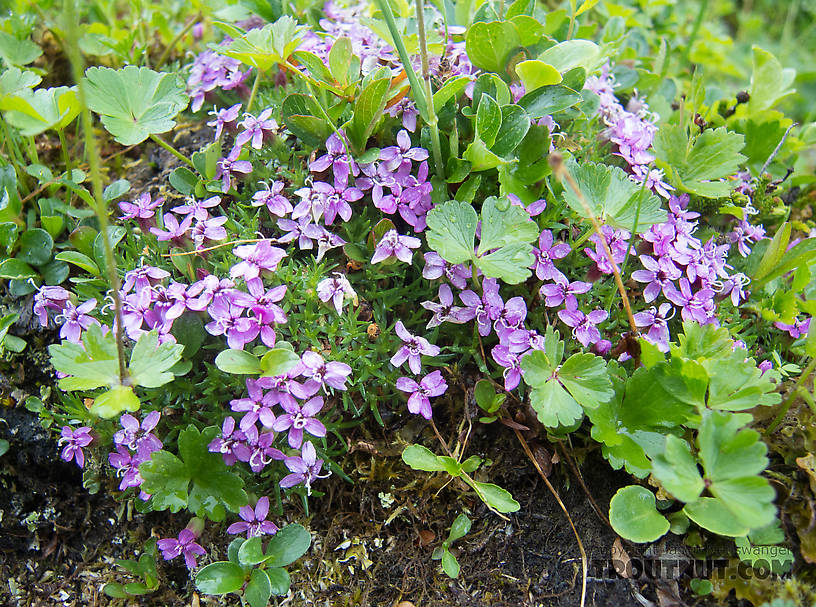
[[209, 71], [135, 443]]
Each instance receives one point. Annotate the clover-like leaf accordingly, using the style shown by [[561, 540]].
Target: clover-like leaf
[[698, 166], [737, 384], [150, 362], [93, 366], [676, 469], [633, 515], [265, 47], [134, 102], [115, 401], [613, 198], [452, 230], [33, 112], [14, 80], [16, 51]]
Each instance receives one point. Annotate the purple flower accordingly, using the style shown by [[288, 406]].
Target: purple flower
[[797, 329], [393, 244], [297, 419], [209, 229], [444, 311], [139, 437], [261, 450], [583, 325], [764, 366], [656, 320], [337, 159], [185, 544], [697, 306], [256, 129], [254, 523], [283, 389], [312, 201], [659, 274], [618, 241], [256, 406], [397, 156], [305, 469], [174, 231], [231, 444], [276, 202], [337, 199], [435, 267], [733, 287], [545, 253], [143, 277], [653, 178], [337, 289], [140, 209], [75, 441], [511, 362], [228, 320], [429, 386], [49, 298], [77, 319], [563, 291], [331, 373], [745, 234], [302, 230], [224, 117], [197, 208], [412, 349], [484, 309], [127, 467], [257, 258], [230, 165]]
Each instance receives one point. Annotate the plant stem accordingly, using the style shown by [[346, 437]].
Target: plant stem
[[791, 397], [172, 150], [573, 9], [65, 155], [557, 164], [255, 84], [426, 76], [75, 57], [163, 57], [695, 29]]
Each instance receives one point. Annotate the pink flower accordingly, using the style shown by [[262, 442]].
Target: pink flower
[[393, 244], [429, 386], [185, 544], [412, 349], [254, 523]]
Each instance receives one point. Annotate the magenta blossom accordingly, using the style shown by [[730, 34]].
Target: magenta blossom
[[254, 523], [256, 129], [337, 159], [197, 208], [656, 321], [185, 544], [75, 441], [331, 373], [297, 419], [224, 118], [444, 311], [272, 197], [563, 291], [141, 209], [77, 320], [304, 468], [138, 437], [392, 244], [337, 289], [257, 258], [49, 298], [230, 165], [797, 329], [583, 325], [429, 386], [412, 349], [436, 267], [545, 254], [231, 444]]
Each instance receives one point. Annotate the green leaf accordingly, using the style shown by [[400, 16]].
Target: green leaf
[[251, 552], [480, 157], [278, 361], [459, 529], [633, 515], [340, 59], [552, 403], [15, 51], [494, 496], [769, 81], [712, 514], [535, 74], [676, 469], [220, 577], [93, 366], [613, 198], [238, 362], [183, 180], [514, 126], [368, 109], [737, 384], [166, 478], [488, 45], [549, 99], [78, 259], [565, 56], [585, 6], [450, 89], [584, 376], [696, 167], [702, 342], [33, 112], [422, 458], [134, 102], [449, 564], [488, 120], [14, 80], [14, 269], [504, 224], [115, 401], [452, 230], [300, 114], [510, 263], [150, 362], [262, 48], [279, 580], [259, 589], [287, 546]]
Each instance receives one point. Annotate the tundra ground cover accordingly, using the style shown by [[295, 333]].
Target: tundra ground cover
[[578, 227]]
